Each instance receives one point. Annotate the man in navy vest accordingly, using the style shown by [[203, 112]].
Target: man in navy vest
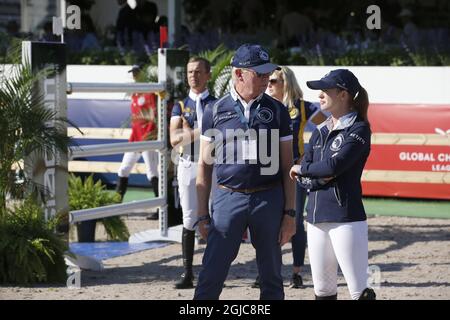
[[184, 133], [247, 135]]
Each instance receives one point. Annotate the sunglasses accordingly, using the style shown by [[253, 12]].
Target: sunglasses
[[274, 81]]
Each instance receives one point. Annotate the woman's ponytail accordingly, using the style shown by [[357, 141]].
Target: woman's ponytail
[[361, 104]]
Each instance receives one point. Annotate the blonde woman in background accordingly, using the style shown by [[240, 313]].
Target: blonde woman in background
[[284, 87]]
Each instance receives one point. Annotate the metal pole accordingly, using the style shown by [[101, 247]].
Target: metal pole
[[162, 136], [114, 87], [114, 148], [63, 17], [114, 210]]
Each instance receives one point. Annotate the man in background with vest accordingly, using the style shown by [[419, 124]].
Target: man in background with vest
[[185, 126]]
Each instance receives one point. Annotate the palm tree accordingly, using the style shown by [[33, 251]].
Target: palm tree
[[220, 59], [24, 126], [30, 249]]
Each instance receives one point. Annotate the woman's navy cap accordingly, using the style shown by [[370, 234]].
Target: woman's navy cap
[[340, 78], [255, 57]]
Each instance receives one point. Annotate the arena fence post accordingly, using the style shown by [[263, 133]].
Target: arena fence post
[[49, 170]]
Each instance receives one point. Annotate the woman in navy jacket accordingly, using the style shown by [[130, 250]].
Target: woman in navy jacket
[[284, 87], [331, 169]]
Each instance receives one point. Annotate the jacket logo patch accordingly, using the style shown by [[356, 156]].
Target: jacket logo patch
[[357, 138], [294, 113], [227, 116], [265, 115], [337, 143]]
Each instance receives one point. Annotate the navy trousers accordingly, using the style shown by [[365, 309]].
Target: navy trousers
[[262, 213], [299, 239]]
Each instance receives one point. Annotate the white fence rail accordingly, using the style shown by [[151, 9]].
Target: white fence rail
[[114, 87], [114, 148], [115, 210]]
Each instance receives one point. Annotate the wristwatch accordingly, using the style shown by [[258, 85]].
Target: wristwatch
[[290, 212], [206, 217]]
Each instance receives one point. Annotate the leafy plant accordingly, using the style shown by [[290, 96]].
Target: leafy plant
[[279, 56], [89, 194], [30, 250], [220, 59], [24, 125]]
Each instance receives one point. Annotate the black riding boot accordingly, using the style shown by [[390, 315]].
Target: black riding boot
[[154, 182], [333, 297], [121, 188], [187, 244], [368, 294]]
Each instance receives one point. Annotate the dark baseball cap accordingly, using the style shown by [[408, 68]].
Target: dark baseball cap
[[255, 57], [135, 68], [339, 78]]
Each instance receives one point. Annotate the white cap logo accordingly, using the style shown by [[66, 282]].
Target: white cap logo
[[264, 55]]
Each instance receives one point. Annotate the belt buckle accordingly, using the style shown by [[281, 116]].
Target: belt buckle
[[184, 161], [186, 157]]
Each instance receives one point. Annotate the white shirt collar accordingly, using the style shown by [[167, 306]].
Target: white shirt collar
[[345, 121], [235, 95], [202, 95], [342, 123]]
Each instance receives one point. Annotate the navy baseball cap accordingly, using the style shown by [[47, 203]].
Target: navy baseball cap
[[255, 57], [339, 78], [135, 68]]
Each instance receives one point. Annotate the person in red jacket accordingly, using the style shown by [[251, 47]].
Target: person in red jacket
[[143, 128]]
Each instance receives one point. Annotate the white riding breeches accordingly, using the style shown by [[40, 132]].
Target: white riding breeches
[[343, 244], [130, 159], [187, 175]]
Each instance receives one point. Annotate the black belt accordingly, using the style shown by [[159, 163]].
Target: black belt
[[250, 190]]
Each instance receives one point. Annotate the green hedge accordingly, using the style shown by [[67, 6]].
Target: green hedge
[[374, 55], [368, 57]]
